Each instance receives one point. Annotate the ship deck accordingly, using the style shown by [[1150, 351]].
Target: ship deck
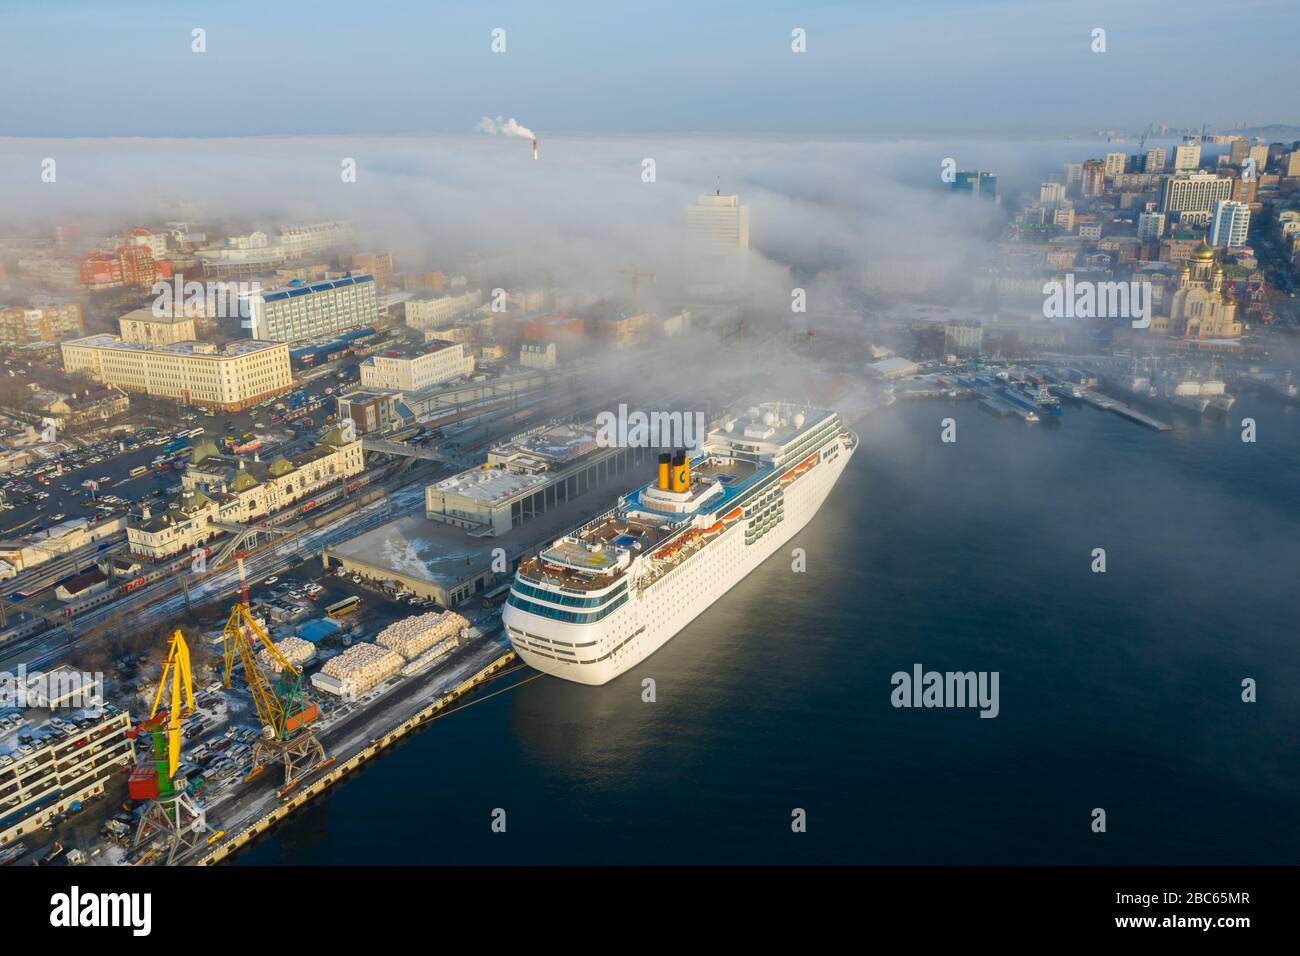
[[633, 527]]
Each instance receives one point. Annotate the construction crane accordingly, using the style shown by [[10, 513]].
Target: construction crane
[[637, 276], [282, 704], [1142, 141], [171, 810]]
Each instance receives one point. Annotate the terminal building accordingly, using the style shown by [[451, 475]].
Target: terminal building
[[479, 523], [231, 490]]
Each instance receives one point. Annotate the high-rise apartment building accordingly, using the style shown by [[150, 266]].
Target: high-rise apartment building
[[1151, 226], [1155, 161], [1229, 224], [1094, 177], [1115, 164]]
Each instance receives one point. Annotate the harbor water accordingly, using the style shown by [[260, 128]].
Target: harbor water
[[1119, 690]]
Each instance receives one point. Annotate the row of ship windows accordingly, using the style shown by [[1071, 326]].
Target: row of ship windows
[[568, 617], [537, 650], [564, 599]]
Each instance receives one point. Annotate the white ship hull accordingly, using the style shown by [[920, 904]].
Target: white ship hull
[[597, 653]]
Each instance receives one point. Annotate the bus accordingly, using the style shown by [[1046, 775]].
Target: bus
[[343, 608], [139, 470]]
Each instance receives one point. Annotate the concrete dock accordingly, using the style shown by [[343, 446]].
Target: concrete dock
[[275, 811], [1097, 400]]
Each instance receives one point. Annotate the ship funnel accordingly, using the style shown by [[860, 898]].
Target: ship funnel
[[681, 480], [665, 463]]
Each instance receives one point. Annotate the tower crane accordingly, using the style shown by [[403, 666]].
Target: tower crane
[[171, 810], [636, 276], [283, 706]]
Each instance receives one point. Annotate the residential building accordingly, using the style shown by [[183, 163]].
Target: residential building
[[63, 769], [373, 411], [537, 355], [379, 265], [146, 327], [1151, 226], [440, 311], [1094, 177], [91, 406], [22, 326], [1229, 224]]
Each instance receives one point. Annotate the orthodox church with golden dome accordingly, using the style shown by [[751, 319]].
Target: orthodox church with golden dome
[[1199, 307]]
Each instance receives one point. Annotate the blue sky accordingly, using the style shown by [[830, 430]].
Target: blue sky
[[123, 68]]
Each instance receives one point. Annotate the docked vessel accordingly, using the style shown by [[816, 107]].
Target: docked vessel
[[1185, 393], [605, 597], [1215, 391]]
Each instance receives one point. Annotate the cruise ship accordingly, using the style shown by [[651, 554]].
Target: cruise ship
[[602, 599]]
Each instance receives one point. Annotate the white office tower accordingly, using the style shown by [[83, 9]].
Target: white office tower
[[1230, 224], [1187, 156], [718, 223], [605, 597], [1051, 195]]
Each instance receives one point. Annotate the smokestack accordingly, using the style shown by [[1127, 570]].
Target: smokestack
[[681, 478], [665, 463], [534, 149]]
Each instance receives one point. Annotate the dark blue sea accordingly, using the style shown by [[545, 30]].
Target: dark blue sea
[[1119, 691]]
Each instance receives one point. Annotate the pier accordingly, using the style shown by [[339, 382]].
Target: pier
[[232, 843], [1097, 400]]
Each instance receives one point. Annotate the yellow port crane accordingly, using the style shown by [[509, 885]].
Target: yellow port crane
[[178, 666], [282, 705], [171, 810]]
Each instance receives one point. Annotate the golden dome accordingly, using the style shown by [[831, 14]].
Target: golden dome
[[1203, 253]]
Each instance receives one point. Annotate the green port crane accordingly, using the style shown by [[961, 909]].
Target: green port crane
[[283, 705]]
